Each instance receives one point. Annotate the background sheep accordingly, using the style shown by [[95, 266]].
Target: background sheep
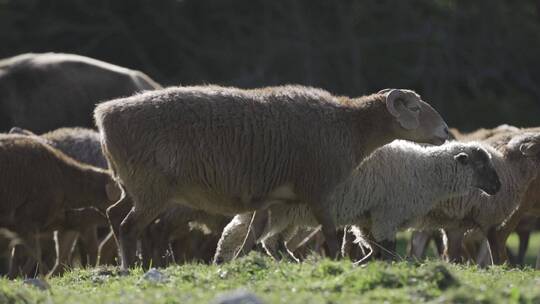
[[226, 150], [84, 146], [41, 184], [529, 206], [396, 184], [517, 163], [62, 88]]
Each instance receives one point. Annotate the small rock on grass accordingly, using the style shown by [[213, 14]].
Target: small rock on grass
[[38, 283], [155, 276], [237, 297]]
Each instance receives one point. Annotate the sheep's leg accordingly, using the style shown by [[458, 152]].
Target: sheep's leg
[[64, 243], [16, 259], [108, 250], [86, 220], [300, 237], [384, 233], [495, 245], [89, 247], [483, 258], [131, 228], [116, 214], [271, 246], [154, 247], [419, 243], [438, 238], [328, 228], [276, 245], [510, 225], [234, 235], [523, 244], [346, 243], [32, 251], [538, 260], [388, 250], [453, 252]]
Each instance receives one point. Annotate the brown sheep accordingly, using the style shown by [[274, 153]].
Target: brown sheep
[[84, 146], [40, 184], [62, 89], [229, 151]]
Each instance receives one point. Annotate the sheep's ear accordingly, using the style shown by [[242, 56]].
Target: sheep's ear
[[404, 106], [113, 191], [462, 158], [17, 130], [530, 148]]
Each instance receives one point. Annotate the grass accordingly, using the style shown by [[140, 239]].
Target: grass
[[314, 281]]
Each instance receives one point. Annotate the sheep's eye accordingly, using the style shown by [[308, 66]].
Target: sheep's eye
[[415, 109]]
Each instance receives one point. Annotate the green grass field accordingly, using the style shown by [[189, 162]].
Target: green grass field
[[313, 281]]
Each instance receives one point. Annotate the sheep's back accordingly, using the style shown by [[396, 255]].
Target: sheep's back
[[230, 140]]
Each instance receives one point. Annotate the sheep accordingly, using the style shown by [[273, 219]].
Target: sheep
[[81, 144], [420, 239], [396, 184], [529, 206], [482, 134], [62, 88], [517, 161], [84, 146], [228, 150], [41, 184]]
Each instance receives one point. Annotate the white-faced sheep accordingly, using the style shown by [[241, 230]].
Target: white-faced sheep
[[228, 150], [420, 239], [41, 183], [393, 186], [42, 92], [517, 160]]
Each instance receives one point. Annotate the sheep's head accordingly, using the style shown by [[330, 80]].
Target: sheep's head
[[415, 120], [524, 145], [484, 175]]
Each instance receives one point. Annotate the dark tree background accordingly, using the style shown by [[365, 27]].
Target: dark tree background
[[478, 61]]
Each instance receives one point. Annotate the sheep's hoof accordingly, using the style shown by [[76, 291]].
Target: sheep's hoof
[[218, 260], [123, 272]]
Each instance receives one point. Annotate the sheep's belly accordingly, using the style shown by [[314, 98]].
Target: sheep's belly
[[214, 202]]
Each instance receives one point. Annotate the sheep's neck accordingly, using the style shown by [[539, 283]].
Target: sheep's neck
[[87, 187], [496, 208], [372, 127]]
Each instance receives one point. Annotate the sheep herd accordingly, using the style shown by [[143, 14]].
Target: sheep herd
[[103, 166]]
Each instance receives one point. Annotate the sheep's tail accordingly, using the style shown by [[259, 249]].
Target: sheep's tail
[[246, 237]]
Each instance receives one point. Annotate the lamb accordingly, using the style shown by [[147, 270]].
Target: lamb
[[62, 88], [517, 161], [392, 187], [228, 150], [84, 146], [40, 184]]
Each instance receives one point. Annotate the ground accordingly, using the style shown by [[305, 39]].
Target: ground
[[314, 281]]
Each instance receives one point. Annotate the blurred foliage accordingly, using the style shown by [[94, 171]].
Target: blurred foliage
[[478, 62]]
